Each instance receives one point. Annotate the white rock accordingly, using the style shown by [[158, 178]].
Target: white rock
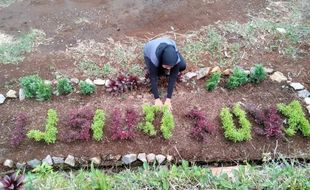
[[96, 160], [151, 157], [11, 94], [303, 93], [89, 81], [297, 86], [2, 99], [189, 75], [8, 163], [75, 80], [34, 163], [142, 157], [227, 72], [216, 69], [247, 72], [203, 72], [48, 160], [308, 108], [307, 100], [278, 77], [107, 83], [99, 82], [129, 158], [58, 160], [281, 30], [268, 70], [169, 158], [47, 82], [160, 158], [70, 160], [20, 165], [21, 94]]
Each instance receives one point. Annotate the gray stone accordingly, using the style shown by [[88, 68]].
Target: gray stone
[[99, 82], [89, 81], [268, 70], [216, 69], [58, 160], [129, 158], [142, 157], [20, 165], [189, 75], [75, 80], [278, 77], [111, 157], [297, 86], [8, 163], [307, 100], [21, 94], [281, 30], [160, 158], [303, 93], [169, 158], [48, 160], [47, 82], [2, 99], [34, 163], [11, 94], [96, 160], [308, 108], [151, 157], [70, 160], [247, 72], [227, 72], [203, 72]]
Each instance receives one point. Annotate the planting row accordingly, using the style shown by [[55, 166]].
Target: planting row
[[83, 124]]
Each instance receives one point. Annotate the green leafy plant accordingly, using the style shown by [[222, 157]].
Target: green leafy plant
[[258, 74], [296, 118], [99, 180], [50, 134], [212, 83], [86, 88], [238, 78], [231, 132], [64, 86], [43, 170], [35, 87], [98, 125], [167, 122]]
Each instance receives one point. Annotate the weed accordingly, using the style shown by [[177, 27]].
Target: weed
[[64, 86], [212, 83], [86, 88]]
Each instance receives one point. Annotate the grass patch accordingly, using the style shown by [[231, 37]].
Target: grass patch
[[12, 52]]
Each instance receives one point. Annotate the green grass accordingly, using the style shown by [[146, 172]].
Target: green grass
[[13, 52], [273, 175]]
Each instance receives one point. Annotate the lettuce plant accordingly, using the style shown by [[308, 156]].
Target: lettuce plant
[[124, 129], [258, 74], [296, 118], [19, 133], [167, 123], [50, 133], [212, 83], [86, 88], [122, 84], [230, 130], [64, 86], [35, 87], [238, 78], [98, 125]]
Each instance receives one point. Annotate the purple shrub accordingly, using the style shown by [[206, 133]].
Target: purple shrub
[[124, 130], [79, 121], [270, 120], [13, 181], [122, 84], [19, 132], [202, 125]]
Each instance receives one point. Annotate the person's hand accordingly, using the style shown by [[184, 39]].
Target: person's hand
[[168, 104], [158, 102]]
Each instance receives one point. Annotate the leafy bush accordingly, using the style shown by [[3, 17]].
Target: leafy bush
[[122, 84], [19, 133], [258, 74], [238, 78], [86, 88], [98, 125], [64, 86], [79, 121], [270, 120], [13, 181], [167, 123], [212, 83], [296, 118], [49, 136], [124, 130], [35, 87], [230, 130], [202, 125]]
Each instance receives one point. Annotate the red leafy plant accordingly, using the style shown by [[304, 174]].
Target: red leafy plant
[[124, 129], [270, 121], [79, 121], [202, 124], [13, 181], [19, 132], [122, 84]]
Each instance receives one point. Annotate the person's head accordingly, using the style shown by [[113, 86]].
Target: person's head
[[169, 57]]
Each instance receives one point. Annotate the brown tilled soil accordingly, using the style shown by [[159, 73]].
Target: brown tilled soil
[[116, 19]]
